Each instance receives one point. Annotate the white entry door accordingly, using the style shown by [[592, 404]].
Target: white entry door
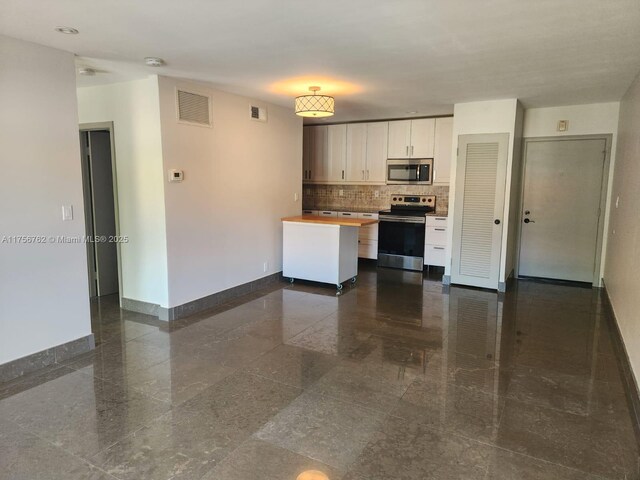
[[561, 208], [480, 191]]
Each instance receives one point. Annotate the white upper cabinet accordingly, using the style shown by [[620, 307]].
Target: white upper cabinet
[[318, 159], [399, 139], [337, 153], [442, 151], [422, 138], [411, 138], [307, 145], [366, 152], [356, 152], [377, 134]]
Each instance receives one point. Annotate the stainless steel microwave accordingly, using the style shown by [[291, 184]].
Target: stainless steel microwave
[[410, 171]]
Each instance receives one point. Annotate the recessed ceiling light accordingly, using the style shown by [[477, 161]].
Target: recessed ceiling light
[[89, 72], [154, 61], [67, 30]]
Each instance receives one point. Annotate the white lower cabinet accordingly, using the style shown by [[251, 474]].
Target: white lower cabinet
[[435, 241], [368, 238]]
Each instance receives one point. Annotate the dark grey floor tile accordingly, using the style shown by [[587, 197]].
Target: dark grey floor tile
[[258, 460], [242, 401], [323, 428], [574, 441], [449, 408], [408, 450], [331, 337], [506, 465], [179, 378], [292, 365], [80, 413], [377, 386], [193, 437], [24, 456], [32, 380]]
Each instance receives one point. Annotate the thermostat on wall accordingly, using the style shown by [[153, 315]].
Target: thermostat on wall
[[176, 175]]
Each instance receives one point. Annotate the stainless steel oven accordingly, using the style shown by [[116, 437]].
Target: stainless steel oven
[[410, 172], [401, 231]]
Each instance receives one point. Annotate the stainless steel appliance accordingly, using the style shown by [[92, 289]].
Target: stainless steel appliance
[[410, 171], [401, 231]]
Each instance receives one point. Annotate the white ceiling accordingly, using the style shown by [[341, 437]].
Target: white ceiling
[[381, 59]]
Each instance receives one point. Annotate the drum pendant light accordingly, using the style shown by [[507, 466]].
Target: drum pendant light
[[314, 105]]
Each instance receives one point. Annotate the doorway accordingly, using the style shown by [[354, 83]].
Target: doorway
[[101, 209], [563, 207]]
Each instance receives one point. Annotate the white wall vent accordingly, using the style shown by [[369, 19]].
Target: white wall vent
[[193, 108], [258, 113]]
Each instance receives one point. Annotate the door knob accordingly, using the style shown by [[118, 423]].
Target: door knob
[[526, 220], [496, 221]]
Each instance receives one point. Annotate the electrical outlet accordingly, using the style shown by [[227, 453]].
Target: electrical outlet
[[295, 197], [265, 266], [376, 194]]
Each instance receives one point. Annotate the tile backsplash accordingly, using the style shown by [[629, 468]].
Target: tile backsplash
[[328, 197]]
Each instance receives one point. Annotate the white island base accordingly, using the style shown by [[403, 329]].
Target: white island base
[[320, 252]]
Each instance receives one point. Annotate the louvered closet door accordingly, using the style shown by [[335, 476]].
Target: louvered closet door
[[480, 190]]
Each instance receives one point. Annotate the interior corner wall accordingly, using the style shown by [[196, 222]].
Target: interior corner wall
[[44, 292], [134, 109], [240, 178], [590, 119], [622, 270], [494, 116], [514, 197]]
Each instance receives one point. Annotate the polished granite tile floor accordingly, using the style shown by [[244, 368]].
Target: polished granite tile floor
[[396, 378]]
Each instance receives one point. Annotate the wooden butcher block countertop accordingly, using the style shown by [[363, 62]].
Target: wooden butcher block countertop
[[347, 222]]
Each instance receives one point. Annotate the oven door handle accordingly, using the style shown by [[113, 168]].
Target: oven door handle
[[394, 218]]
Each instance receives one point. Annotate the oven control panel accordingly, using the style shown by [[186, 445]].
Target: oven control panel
[[413, 200]]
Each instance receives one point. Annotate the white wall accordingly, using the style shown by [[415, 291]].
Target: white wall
[[44, 294], [495, 116], [134, 109], [240, 177], [622, 273], [591, 119]]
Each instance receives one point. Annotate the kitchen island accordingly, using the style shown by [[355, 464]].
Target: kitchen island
[[321, 249]]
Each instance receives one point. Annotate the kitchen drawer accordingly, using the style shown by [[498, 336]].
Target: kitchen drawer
[[436, 235], [348, 214], [369, 232], [310, 212], [434, 255], [367, 249], [327, 213], [437, 221]]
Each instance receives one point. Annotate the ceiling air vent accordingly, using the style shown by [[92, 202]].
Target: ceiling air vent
[[258, 113], [194, 108]]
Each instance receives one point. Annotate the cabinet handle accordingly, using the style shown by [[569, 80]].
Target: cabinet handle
[[363, 174], [412, 150], [438, 248], [309, 175], [439, 229], [343, 174], [367, 174], [407, 150]]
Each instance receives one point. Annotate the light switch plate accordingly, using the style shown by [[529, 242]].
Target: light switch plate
[[563, 125], [67, 212]]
